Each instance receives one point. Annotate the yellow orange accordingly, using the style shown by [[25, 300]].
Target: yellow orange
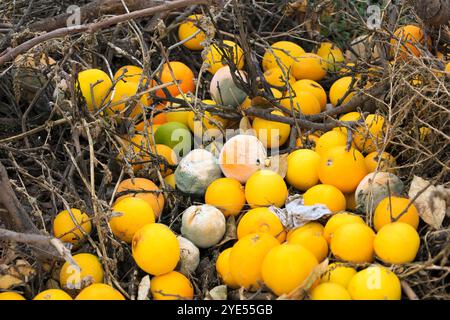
[[397, 243], [338, 273], [314, 242], [247, 256], [369, 137], [325, 194], [132, 214], [353, 242], [342, 169], [259, 220], [71, 228], [309, 66], [95, 86], [375, 283], [381, 162], [331, 54], [330, 291], [272, 134], [227, 195], [171, 286], [91, 271], [11, 296], [276, 77], [99, 291], [287, 266], [188, 28], [156, 249], [337, 220], [312, 87], [216, 56], [389, 209], [302, 101], [144, 189], [330, 140], [52, 294], [223, 269], [302, 169], [282, 54], [265, 188], [339, 89]]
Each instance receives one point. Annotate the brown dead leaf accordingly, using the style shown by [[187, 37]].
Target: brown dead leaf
[[245, 126], [431, 203], [230, 233], [7, 281], [260, 102], [299, 6], [15, 275], [299, 293], [277, 163]]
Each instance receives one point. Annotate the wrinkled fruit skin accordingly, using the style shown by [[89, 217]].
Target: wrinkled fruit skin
[[196, 172], [204, 225], [374, 187]]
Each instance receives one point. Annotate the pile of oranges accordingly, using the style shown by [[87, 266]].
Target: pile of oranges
[[324, 167]]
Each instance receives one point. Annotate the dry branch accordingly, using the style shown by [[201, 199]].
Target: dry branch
[[93, 27]]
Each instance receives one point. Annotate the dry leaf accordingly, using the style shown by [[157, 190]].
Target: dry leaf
[[230, 233], [260, 102], [300, 6], [245, 127], [431, 203], [217, 293], [7, 281], [277, 163], [144, 288], [300, 292], [15, 275]]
